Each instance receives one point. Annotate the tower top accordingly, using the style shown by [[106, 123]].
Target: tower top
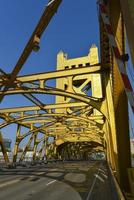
[[64, 62]]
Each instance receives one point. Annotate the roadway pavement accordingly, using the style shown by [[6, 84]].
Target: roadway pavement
[[79, 180]]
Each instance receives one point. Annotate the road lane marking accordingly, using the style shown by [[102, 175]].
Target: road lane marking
[[36, 174], [51, 182], [9, 183], [103, 171], [18, 180], [92, 187], [101, 179], [39, 173], [104, 175]]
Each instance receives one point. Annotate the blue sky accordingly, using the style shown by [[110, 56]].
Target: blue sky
[[73, 29]]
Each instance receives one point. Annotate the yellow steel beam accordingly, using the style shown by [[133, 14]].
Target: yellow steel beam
[[36, 142], [42, 121], [46, 107], [42, 147], [3, 149], [91, 133], [17, 142], [59, 74], [26, 147], [63, 116], [38, 121], [13, 120], [107, 81], [120, 99], [77, 139], [94, 102], [50, 10]]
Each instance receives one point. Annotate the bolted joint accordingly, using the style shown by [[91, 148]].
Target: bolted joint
[[36, 42]]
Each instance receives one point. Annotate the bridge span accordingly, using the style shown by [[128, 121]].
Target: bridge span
[[80, 180], [76, 128]]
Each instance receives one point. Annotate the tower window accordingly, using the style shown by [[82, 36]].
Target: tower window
[[87, 64], [73, 66], [65, 87]]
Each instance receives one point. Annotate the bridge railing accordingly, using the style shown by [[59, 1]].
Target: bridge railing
[[126, 196]]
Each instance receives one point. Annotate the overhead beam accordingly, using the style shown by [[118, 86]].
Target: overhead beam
[[48, 13], [92, 101], [9, 118], [47, 107], [59, 74]]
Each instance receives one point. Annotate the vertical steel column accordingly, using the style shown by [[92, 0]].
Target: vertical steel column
[[120, 99], [45, 149], [17, 142], [3, 149], [26, 148], [35, 146], [41, 148], [110, 127]]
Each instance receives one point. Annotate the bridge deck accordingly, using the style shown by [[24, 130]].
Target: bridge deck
[[77, 180]]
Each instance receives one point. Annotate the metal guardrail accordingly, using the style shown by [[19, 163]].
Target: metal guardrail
[[126, 196], [120, 194]]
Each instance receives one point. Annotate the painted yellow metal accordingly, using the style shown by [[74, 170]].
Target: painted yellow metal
[[35, 144], [58, 74], [120, 100], [46, 17], [69, 83], [47, 107], [42, 148], [93, 101], [9, 119], [90, 108], [27, 147], [87, 124], [78, 139], [17, 142], [3, 149]]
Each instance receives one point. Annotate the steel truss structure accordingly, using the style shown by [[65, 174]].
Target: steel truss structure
[[91, 104]]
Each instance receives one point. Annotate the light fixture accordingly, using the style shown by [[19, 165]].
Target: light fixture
[[36, 42]]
